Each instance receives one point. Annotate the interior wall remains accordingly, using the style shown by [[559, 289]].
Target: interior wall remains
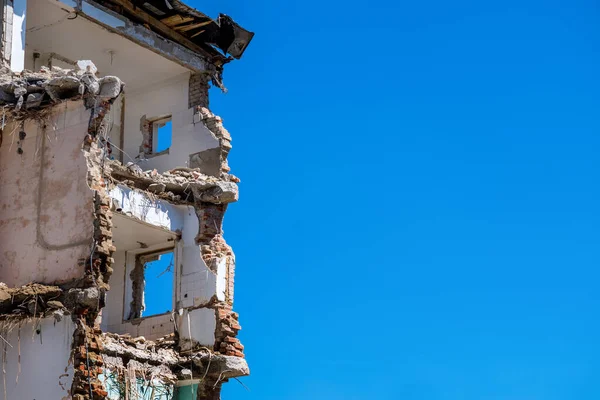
[[189, 134], [45, 197], [196, 284]]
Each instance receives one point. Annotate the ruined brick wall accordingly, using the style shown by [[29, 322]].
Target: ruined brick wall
[[88, 364], [214, 123], [228, 327], [87, 299], [198, 90]]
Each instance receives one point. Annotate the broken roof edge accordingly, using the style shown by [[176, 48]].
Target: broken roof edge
[[185, 26], [141, 35]]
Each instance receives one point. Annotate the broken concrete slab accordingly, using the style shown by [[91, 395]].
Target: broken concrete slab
[[190, 184], [62, 87], [157, 188], [222, 366], [221, 192], [116, 345], [34, 100], [83, 298], [86, 66], [110, 87], [29, 88], [91, 83], [29, 299]]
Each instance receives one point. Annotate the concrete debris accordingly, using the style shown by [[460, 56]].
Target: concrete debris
[[188, 183], [34, 100], [157, 188], [134, 168], [221, 192], [30, 300], [54, 304], [163, 353], [39, 300], [34, 90], [152, 352], [83, 298], [110, 87], [87, 66], [222, 366], [91, 82], [62, 87]]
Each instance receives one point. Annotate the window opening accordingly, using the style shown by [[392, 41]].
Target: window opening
[[153, 284], [163, 134]]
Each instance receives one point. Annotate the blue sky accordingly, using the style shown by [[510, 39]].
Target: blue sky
[[419, 200], [158, 291]]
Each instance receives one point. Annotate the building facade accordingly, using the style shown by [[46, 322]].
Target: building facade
[[117, 282]]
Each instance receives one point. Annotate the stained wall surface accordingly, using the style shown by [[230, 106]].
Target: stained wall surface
[[37, 365], [45, 197]]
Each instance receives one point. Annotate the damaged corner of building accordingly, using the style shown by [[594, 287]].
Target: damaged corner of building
[[116, 279]]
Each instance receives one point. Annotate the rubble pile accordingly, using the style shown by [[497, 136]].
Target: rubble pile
[[25, 92], [179, 184], [163, 351], [32, 300]]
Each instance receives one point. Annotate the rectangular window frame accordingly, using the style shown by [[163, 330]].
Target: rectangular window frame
[[129, 268], [154, 126]]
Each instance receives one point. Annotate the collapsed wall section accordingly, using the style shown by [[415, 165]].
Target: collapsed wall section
[[53, 122], [67, 198]]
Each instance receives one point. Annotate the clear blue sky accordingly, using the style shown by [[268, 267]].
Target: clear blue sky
[[419, 201]]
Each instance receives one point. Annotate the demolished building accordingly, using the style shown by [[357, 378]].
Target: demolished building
[[111, 163]]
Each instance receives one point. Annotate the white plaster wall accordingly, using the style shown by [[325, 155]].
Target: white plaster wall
[[112, 313], [151, 328], [198, 283], [49, 31], [199, 325], [155, 212], [45, 370], [166, 98], [115, 127], [46, 249]]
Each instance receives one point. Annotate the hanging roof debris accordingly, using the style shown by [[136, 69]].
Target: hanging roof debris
[[189, 27]]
